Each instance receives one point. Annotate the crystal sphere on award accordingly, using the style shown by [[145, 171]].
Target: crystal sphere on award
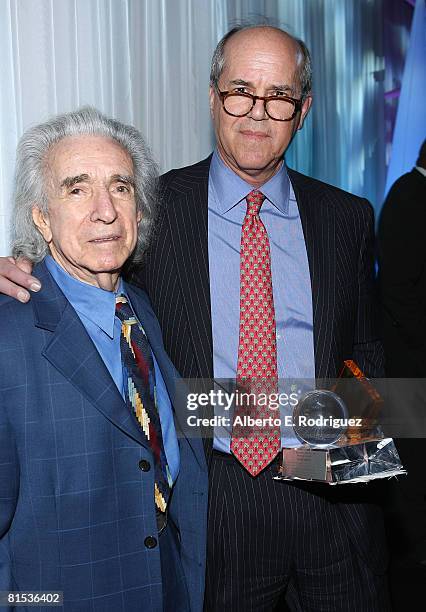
[[319, 418]]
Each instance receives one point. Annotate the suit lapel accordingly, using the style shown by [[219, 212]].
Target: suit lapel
[[71, 351], [318, 222], [187, 211], [188, 218]]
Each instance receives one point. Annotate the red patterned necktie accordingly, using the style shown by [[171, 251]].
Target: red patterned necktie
[[256, 446], [140, 393]]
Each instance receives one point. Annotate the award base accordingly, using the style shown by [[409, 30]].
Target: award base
[[349, 463]]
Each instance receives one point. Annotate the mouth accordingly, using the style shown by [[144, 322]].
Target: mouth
[[254, 135], [104, 239]]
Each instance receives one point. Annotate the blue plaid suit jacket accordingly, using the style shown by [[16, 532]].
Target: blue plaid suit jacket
[[75, 509]]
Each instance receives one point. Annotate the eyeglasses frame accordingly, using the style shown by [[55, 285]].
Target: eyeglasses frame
[[223, 95]]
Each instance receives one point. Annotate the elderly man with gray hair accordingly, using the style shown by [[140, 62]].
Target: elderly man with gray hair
[[101, 504]]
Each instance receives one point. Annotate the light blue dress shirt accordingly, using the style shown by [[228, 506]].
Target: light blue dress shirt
[[104, 328], [290, 279]]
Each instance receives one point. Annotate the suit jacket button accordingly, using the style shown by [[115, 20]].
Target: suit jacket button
[[150, 542], [144, 465]]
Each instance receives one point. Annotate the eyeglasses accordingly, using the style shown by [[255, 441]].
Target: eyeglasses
[[278, 108]]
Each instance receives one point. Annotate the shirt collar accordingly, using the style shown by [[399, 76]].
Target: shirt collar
[[230, 189], [421, 170], [82, 297]]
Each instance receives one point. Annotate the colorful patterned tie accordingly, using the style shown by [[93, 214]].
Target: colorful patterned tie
[[256, 446], [140, 392]]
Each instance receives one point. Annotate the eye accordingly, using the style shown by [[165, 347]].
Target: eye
[[240, 89], [121, 190], [278, 93], [76, 191]]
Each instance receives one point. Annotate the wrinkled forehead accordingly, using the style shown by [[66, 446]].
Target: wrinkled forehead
[[92, 155]]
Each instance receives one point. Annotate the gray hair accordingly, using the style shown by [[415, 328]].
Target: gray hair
[[31, 159], [304, 59]]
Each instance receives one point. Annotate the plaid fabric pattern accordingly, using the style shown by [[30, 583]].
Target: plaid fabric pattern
[[140, 394]]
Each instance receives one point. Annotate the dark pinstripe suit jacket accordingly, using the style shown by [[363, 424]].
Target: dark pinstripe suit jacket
[[339, 234]]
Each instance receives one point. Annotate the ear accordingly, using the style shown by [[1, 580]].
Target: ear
[[212, 93], [42, 223], [138, 217], [306, 106]]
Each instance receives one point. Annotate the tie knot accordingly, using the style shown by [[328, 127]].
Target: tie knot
[[120, 299], [254, 202], [122, 307]]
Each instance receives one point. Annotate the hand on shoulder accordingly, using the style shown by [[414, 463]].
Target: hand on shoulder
[[16, 280]]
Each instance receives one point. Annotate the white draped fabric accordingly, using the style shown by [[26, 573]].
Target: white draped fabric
[[142, 61], [147, 62]]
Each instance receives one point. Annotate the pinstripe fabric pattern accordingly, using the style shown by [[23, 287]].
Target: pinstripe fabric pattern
[[273, 531], [176, 271], [339, 234], [338, 230]]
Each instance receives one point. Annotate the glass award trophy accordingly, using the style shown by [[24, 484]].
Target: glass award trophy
[[341, 441]]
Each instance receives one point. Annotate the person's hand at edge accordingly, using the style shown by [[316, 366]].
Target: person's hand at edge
[[16, 280]]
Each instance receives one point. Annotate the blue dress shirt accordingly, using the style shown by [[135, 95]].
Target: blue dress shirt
[[290, 279], [104, 329]]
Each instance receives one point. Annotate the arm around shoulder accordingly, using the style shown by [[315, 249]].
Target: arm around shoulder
[[15, 278]]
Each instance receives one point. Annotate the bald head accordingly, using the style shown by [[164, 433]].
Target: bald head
[[244, 37]]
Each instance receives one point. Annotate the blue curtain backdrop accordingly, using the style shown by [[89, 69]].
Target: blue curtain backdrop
[[147, 62]]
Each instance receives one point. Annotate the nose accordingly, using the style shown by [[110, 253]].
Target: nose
[[258, 111], [103, 207]]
